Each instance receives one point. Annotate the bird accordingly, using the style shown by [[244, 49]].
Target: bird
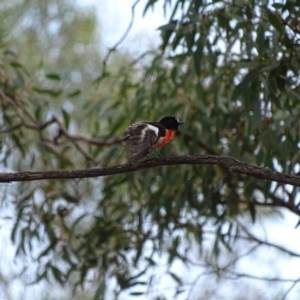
[[145, 137]]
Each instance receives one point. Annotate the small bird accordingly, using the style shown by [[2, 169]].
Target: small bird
[[144, 138]]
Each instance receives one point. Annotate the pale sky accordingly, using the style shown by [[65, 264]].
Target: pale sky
[[115, 15]]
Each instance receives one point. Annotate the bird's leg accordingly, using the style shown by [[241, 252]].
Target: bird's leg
[[157, 152]]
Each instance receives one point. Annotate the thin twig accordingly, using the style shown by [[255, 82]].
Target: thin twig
[[237, 275], [290, 289], [17, 106], [250, 237], [97, 142], [118, 43], [20, 109], [63, 130], [259, 241], [12, 128], [293, 28]]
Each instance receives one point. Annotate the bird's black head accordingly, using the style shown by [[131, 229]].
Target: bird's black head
[[170, 123]]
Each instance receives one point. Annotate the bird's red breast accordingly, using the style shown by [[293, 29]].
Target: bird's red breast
[[166, 139]]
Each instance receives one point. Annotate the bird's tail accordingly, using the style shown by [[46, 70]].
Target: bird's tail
[[141, 154]]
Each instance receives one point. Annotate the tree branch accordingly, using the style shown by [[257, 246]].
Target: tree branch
[[88, 140], [232, 164]]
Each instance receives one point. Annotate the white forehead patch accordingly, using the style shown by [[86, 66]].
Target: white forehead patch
[[177, 120], [153, 128]]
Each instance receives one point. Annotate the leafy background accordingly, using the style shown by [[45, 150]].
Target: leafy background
[[229, 70]]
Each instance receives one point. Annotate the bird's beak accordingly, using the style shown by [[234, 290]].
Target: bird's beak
[[180, 123]]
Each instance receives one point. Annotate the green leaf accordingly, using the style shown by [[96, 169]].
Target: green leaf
[[236, 92], [66, 117], [74, 94], [17, 65], [257, 118], [275, 22], [53, 76], [177, 39], [45, 252], [148, 5], [77, 221], [14, 231], [198, 54], [176, 278], [298, 223], [137, 293], [222, 20], [18, 142], [100, 293], [260, 40], [49, 92], [252, 211], [166, 36], [168, 26], [277, 5], [57, 274]]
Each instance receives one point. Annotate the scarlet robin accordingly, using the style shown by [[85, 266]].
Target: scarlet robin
[[144, 138]]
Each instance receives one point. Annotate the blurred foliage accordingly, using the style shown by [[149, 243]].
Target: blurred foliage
[[229, 70]]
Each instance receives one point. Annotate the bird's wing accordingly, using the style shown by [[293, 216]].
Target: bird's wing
[[141, 137]]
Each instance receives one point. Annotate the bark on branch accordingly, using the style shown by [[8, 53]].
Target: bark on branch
[[230, 163]]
